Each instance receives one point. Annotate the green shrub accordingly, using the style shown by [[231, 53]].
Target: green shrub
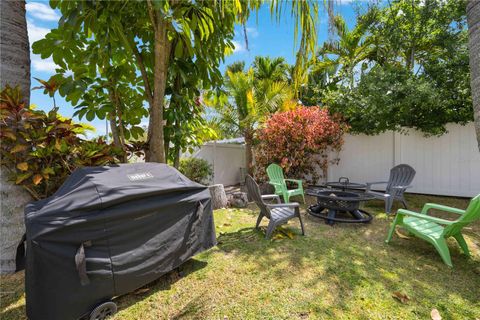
[[39, 150], [391, 98], [198, 170]]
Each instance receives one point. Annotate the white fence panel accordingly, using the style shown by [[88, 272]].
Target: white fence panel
[[364, 158], [446, 165], [226, 159]]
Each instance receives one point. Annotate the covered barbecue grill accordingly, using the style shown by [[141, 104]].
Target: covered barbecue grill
[[108, 231]]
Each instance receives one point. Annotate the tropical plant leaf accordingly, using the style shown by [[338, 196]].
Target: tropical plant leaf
[[22, 166], [22, 177], [19, 148], [37, 179], [8, 134]]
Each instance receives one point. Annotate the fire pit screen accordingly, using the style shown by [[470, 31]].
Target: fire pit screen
[[339, 206]]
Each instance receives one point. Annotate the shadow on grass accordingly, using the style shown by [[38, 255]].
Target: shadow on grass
[[11, 296], [163, 283], [17, 312], [12, 308], [193, 307], [353, 259], [343, 271]]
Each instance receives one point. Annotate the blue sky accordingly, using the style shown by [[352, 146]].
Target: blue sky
[[266, 37]]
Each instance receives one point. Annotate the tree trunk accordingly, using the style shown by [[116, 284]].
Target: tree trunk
[[114, 129], [473, 19], [166, 146], [162, 54], [352, 78], [116, 125], [14, 70], [176, 160], [12, 226], [219, 197], [118, 137], [176, 145], [112, 117], [411, 57], [15, 51], [248, 135], [175, 104], [166, 136]]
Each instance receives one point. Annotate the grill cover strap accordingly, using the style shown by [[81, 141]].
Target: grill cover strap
[[81, 263]]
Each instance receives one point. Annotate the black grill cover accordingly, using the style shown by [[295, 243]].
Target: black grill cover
[[131, 222]]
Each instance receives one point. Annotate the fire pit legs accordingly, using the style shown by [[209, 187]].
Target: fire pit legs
[[331, 216], [357, 214], [331, 202]]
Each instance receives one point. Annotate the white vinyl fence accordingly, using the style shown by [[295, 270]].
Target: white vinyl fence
[[227, 160], [445, 165]]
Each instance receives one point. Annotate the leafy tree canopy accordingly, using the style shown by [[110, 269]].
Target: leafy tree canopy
[[391, 98], [403, 65], [124, 54]]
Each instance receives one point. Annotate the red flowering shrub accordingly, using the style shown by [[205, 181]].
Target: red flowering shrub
[[299, 141]]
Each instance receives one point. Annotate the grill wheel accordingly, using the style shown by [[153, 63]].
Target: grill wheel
[[103, 311]]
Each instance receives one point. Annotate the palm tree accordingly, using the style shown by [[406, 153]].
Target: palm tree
[[247, 102], [275, 69], [237, 66], [473, 19], [320, 78], [15, 70], [350, 49]]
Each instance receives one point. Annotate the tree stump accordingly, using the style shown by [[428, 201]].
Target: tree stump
[[219, 198], [12, 221]]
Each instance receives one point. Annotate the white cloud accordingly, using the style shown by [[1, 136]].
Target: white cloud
[[348, 2], [252, 32], [35, 32], [238, 47], [42, 11], [43, 65]]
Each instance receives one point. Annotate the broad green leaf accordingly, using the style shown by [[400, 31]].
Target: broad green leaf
[[90, 115], [179, 49]]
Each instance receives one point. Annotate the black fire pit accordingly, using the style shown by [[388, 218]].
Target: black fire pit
[[339, 206]]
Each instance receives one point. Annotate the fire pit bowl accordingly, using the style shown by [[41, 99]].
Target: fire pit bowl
[[338, 200], [332, 202]]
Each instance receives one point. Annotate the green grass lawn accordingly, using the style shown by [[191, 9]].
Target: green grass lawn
[[339, 272]]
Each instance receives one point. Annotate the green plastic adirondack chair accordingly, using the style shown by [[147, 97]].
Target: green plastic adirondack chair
[[436, 230], [275, 174]]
